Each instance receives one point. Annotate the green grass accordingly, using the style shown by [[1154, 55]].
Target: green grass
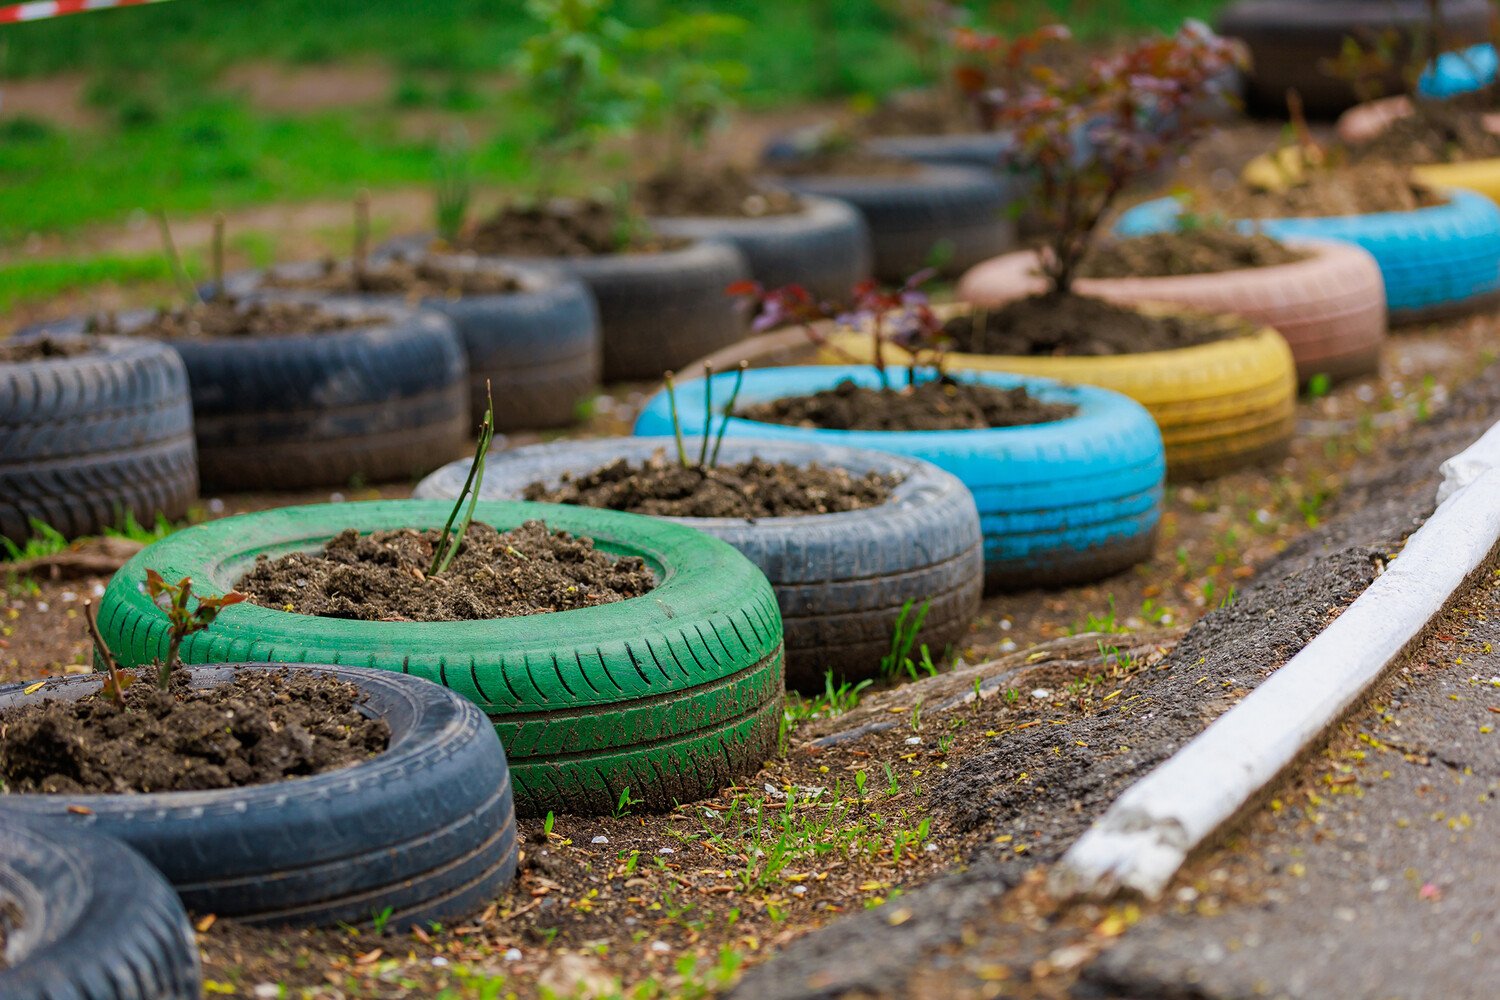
[[41, 279]]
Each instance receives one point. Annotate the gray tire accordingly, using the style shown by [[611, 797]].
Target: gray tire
[[537, 348], [842, 579], [952, 215], [825, 248]]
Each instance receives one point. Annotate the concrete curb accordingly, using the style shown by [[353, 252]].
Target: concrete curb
[[1149, 831]]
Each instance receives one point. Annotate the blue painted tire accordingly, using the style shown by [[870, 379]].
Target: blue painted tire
[[1436, 262], [1464, 72], [1059, 503]]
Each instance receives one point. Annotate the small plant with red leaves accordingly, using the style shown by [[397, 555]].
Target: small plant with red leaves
[[900, 315], [1088, 135], [183, 621]]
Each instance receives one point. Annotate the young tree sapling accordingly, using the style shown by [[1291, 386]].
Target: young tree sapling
[[183, 621]]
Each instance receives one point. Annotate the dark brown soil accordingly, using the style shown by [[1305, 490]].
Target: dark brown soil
[[562, 228], [229, 317], [839, 155], [425, 277], [921, 112], [1437, 133], [1080, 326], [382, 577], [750, 489], [262, 727], [1367, 187], [1207, 250], [43, 349], [726, 192], [944, 405]]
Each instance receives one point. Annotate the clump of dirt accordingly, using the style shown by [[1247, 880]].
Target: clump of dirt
[[563, 228], [751, 490], [1437, 133], [1357, 189], [422, 277], [1080, 326], [10, 921], [44, 349], [231, 317], [382, 576], [261, 727], [938, 405], [726, 192], [1204, 250]]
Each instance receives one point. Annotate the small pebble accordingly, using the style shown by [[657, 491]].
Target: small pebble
[[267, 991], [912, 741], [1041, 693], [665, 850], [660, 947], [601, 839], [513, 955], [799, 890], [439, 961]]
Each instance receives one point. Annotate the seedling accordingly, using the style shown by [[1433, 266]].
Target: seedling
[[452, 186], [904, 638], [173, 598], [218, 256], [707, 460], [115, 683], [361, 234], [450, 541], [185, 285], [622, 806]]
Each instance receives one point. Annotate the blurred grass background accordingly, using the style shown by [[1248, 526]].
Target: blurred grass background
[[157, 107]]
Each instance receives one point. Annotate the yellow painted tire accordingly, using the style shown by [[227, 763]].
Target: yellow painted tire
[[1482, 176], [1220, 406]]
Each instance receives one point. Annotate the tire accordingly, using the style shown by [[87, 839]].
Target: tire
[[957, 215], [1364, 122], [1059, 503], [672, 694], [1220, 407], [1455, 73], [426, 829], [536, 348], [1329, 307], [1290, 39], [380, 402], [96, 922], [825, 248], [1436, 262], [86, 440], [841, 579]]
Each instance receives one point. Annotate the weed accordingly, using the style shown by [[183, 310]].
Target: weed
[[903, 638], [622, 806], [173, 599], [450, 541], [380, 919]]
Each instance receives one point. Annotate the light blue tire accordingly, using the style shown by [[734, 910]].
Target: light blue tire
[[1436, 262], [1462, 72], [1059, 503]]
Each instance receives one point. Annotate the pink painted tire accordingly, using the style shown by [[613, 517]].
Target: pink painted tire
[[1330, 307]]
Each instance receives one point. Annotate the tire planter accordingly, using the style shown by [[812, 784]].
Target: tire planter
[[1059, 503], [825, 248], [1463, 72], [1364, 122], [1436, 262], [1330, 307], [672, 694], [959, 214], [536, 348], [96, 921], [840, 579], [85, 440], [384, 401], [426, 828], [1290, 39], [1220, 406]]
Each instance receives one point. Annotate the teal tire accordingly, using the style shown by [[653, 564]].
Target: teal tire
[[671, 695]]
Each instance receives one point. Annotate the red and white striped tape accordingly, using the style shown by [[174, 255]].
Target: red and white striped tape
[[39, 10]]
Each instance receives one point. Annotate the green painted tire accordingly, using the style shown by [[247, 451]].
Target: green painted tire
[[672, 695]]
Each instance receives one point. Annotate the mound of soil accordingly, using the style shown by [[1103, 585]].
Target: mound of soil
[[922, 112], [726, 192], [1359, 189], [1207, 250], [562, 228], [751, 490], [382, 576], [44, 348], [229, 317], [1437, 133], [838, 155], [939, 405], [424, 277], [1079, 326], [263, 726]]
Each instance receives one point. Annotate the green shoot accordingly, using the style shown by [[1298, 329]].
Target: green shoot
[[116, 683], [173, 599], [449, 542], [708, 412], [218, 255], [622, 807], [904, 638], [174, 260], [676, 423], [452, 186], [734, 395], [361, 233]]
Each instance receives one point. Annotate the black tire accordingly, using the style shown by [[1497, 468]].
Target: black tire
[[385, 401], [86, 440], [1290, 39], [426, 828], [841, 580], [537, 348], [952, 215], [96, 922], [825, 248]]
